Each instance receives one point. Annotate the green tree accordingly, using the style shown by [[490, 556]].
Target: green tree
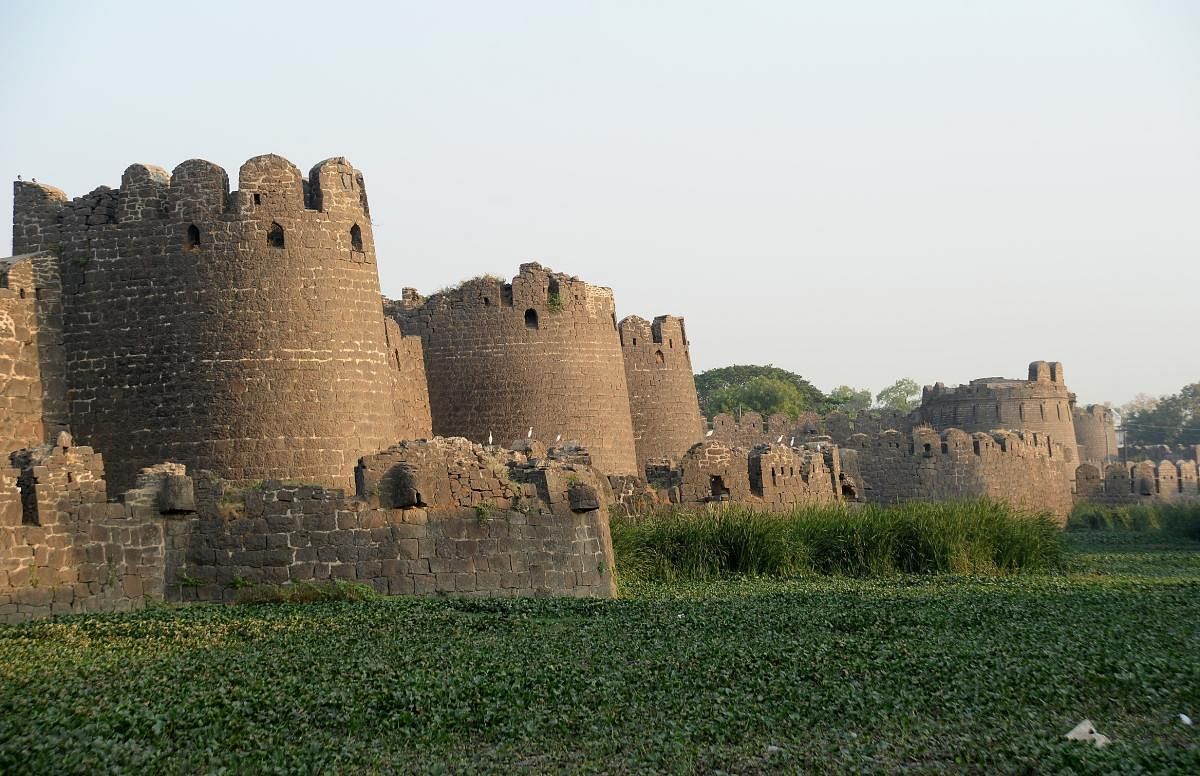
[[1170, 420], [764, 389], [903, 395], [850, 400]]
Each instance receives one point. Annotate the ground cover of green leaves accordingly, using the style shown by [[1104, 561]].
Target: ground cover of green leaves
[[827, 674]]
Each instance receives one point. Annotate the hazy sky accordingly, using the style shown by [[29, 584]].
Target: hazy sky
[[853, 191]]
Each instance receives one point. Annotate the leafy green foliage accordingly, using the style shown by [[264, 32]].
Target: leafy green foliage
[[949, 538], [305, 593], [1169, 420], [850, 400], [824, 674], [763, 389], [904, 395]]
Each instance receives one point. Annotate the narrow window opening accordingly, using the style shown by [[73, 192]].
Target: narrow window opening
[[21, 293], [531, 318], [976, 444], [487, 302], [928, 449], [356, 238], [945, 447], [27, 485], [717, 489], [659, 359], [193, 238], [670, 343], [506, 298], [275, 235], [70, 478], [635, 340], [258, 199]]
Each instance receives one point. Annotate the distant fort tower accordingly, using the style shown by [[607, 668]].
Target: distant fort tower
[[1040, 404], [240, 332], [662, 389], [1096, 434], [541, 352]]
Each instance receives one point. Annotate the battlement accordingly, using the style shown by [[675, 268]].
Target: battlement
[[197, 193], [775, 477], [666, 330], [1140, 481], [534, 289], [926, 442]]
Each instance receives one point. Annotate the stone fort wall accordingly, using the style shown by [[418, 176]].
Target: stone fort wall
[[1025, 469], [1137, 482], [541, 352], [240, 332], [1040, 404], [662, 389]]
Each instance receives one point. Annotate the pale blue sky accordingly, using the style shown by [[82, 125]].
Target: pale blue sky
[[854, 191]]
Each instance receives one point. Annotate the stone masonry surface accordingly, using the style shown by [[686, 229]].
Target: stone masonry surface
[[662, 389], [541, 352], [1022, 468]]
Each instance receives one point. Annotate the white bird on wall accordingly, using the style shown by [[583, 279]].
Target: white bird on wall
[[489, 438], [529, 433], [777, 441], [558, 439], [792, 443], [710, 433]]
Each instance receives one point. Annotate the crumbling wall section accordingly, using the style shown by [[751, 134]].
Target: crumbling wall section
[[434, 516], [65, 549]]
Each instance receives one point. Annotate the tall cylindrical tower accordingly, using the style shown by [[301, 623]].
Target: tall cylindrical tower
[[1096, 434], [662, 388], [541, 352], [239, 332], [1041, 404]]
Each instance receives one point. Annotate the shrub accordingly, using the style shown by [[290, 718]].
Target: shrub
[[979, 537]]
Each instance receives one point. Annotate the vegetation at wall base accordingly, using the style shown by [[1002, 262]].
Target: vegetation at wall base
[[1182, 519], [976, 537]]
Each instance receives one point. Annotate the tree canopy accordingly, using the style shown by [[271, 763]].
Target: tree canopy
[[903, 395], [1168, 420], [763, 389]]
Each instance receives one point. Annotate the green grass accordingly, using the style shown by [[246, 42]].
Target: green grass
[[919, 673], [946, 538]]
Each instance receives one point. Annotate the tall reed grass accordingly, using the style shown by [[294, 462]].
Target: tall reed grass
[[977, 537], [1174, 519]]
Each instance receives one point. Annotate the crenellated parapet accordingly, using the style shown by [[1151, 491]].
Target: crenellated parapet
[[1042, 403], [1139, 481], [240, 331], [662, 389], [540, 355], [1027, 469]]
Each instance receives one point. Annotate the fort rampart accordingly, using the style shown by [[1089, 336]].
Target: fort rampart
[[1096, 434], [1025, 469]]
